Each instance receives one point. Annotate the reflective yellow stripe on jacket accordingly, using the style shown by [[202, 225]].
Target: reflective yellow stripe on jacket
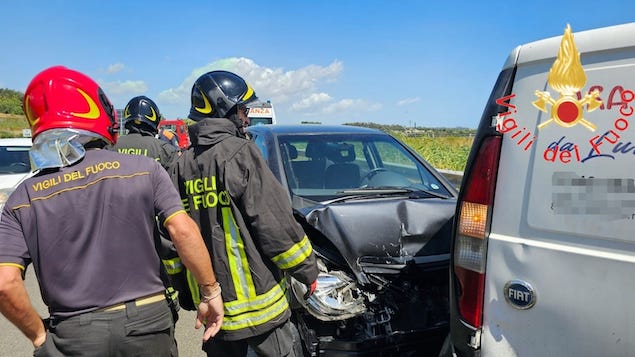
[[249, 308], [294, 255], [257, 310], [173, 266]]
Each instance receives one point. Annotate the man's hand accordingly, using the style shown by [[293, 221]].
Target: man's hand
[[210, 312], [310, 289], [39, 340]]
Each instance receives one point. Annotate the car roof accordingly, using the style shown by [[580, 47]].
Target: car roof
[[595, 40], [15, 142], [282, 129]]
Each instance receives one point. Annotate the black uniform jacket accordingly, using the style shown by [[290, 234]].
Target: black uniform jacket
[[137, 144], [247, 222]]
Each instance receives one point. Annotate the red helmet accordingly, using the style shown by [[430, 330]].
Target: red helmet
[[59, 98]]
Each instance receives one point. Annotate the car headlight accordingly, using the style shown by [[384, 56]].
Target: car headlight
[[336, 297]]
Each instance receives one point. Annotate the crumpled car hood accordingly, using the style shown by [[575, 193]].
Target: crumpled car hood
[[385, 231]]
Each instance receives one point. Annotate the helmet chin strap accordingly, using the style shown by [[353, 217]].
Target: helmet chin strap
[[238, 123]]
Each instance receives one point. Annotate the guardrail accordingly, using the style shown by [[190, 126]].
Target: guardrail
[[454, 177]]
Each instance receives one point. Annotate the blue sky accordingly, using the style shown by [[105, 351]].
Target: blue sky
[[412, 63]]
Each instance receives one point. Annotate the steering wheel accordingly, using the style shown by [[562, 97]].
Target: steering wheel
[[372, 173]]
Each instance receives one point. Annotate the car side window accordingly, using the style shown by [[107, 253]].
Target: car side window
[[14, 159], [396, 160]]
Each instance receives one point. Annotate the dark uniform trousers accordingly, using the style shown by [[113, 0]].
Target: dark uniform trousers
[[282, 341], [146, 330]]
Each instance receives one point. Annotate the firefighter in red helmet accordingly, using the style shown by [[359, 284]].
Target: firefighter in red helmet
[[94, 257]]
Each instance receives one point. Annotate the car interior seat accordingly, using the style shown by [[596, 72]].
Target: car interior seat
[[343, 173], [310, 172]]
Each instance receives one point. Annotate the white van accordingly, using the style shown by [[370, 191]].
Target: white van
[[544, 241]]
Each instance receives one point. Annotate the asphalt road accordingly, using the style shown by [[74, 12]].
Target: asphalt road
[[14, 344]]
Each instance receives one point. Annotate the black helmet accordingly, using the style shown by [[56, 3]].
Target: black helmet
[[142, 113], [216, 93]]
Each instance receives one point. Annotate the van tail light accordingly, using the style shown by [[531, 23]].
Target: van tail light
[[472, 229]]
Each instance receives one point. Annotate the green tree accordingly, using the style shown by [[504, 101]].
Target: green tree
[[10, 101]]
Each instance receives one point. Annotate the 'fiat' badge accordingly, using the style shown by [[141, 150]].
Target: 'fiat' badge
[[520, 294]]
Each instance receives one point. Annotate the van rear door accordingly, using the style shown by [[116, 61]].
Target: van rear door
[[560, 266]]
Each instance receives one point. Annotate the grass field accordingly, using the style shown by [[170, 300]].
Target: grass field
[[11, 125], [444, 152]]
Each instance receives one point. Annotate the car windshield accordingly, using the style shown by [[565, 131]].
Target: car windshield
[[328, 166], [14, 159]]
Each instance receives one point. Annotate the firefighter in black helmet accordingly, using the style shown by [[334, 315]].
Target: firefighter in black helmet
[[222, 94], [141, 119], [247, 221]]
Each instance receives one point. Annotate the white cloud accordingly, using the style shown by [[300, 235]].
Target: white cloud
[[273, 84], [408, 101], [311, 101], [178, 95], [352, 104], [298, 91], [114, 68], [118, 88]]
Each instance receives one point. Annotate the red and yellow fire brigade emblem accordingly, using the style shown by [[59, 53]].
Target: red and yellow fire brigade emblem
[[567, 77]]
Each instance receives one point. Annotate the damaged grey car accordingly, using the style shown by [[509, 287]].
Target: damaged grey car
[[379, 218]]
